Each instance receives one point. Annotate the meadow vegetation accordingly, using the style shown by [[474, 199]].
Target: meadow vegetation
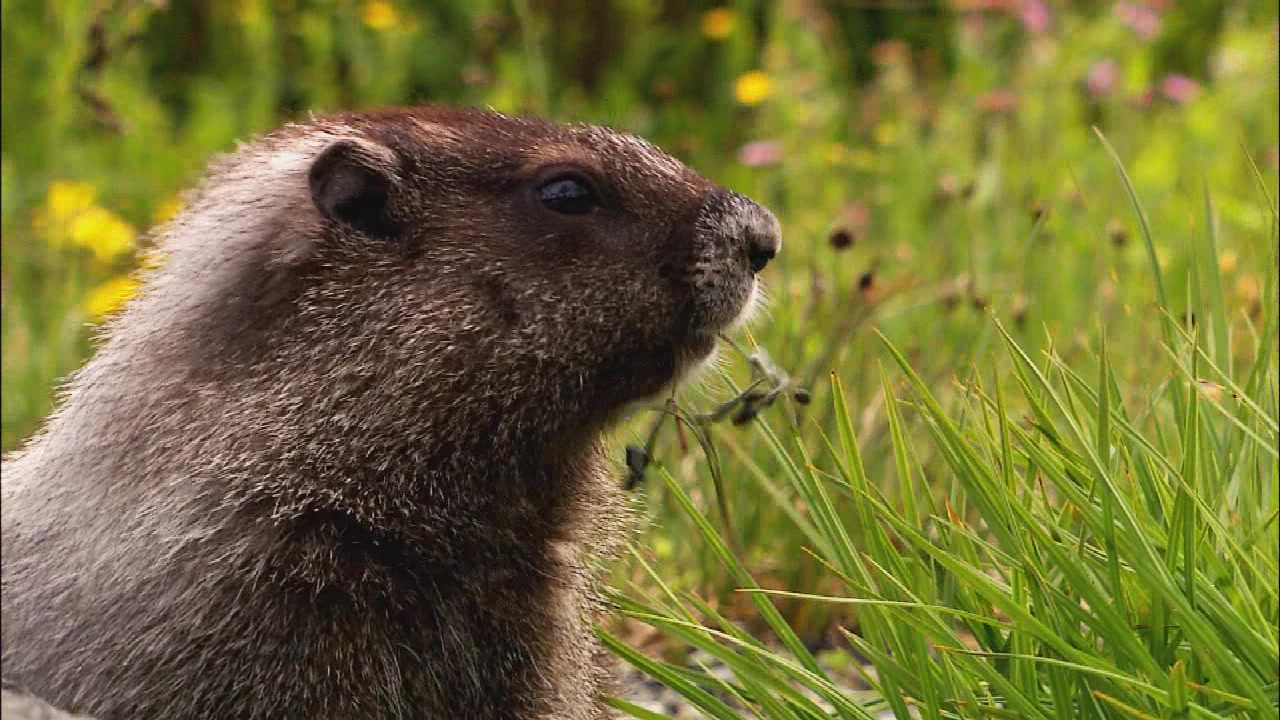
[[1021, 460]]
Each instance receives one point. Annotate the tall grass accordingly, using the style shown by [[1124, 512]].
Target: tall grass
[[953, 217], [1101, 551]]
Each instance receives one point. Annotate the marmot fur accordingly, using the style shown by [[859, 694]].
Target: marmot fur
[[340, 456]]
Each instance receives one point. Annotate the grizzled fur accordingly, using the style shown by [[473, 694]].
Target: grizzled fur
[[340, 457]]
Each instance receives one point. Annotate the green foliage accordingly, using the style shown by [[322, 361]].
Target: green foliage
[[1038, 487], [1121, 560]]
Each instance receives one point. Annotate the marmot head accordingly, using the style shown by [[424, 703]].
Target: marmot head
[[433, 261], [574, 246]]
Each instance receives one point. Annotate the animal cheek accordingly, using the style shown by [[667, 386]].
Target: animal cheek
[[499, 300], [681, 242]]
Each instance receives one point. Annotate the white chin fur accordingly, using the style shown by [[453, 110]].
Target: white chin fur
[[693, 375], [755, 302], [692, 370]]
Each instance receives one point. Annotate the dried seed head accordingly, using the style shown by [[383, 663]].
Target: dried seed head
[[637, 463], [947, 190], [1038, 210], [1020, 306], [957, 289], [841, 239], [664, 88], [744, 415], [475, 74], [1117, 232], [949, 185], [866, 281]]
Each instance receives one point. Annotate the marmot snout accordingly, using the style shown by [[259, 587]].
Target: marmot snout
[[729, 227], [340, 457]]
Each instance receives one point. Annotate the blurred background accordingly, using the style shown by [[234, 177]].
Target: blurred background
[[933, 163]]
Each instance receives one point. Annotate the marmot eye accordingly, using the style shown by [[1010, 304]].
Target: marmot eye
[[568, 195]]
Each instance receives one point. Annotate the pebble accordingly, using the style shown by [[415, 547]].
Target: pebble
[[656, 697]]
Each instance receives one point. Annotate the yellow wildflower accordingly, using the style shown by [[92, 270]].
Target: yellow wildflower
[[380, 15], [863, 159], [101, 231], [1227, 262], [752, 88], [109, 296], [837, 154], [249, 12], [717, 24], [68, 197], [886, 133], [165, 211], [63, 201], [1246, 288]]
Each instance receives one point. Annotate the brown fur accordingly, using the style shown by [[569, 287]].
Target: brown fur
[[336, 468]]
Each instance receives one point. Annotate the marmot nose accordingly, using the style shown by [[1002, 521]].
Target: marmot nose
[[760, 250], [755, 227]]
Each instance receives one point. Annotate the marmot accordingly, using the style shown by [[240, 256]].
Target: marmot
[[340, 456]]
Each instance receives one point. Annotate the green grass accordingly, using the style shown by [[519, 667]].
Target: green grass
[[1036, 486], [1122, 559]]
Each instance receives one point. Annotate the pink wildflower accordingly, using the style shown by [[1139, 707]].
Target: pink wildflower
[[1101, 78], [760, 153], [1035, 16], [1179, 89], [1140, 18]]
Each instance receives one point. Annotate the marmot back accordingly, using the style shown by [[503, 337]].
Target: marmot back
[[340, 457]]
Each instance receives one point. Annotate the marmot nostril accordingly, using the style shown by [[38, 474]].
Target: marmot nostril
[[760, 250]]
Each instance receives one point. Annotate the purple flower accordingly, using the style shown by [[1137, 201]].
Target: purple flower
[[1140, 18], [1035, 16], [1101, 78], [760, 153], [1179, 89]]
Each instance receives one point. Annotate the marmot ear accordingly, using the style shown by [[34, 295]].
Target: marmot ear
[[351, 183]]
